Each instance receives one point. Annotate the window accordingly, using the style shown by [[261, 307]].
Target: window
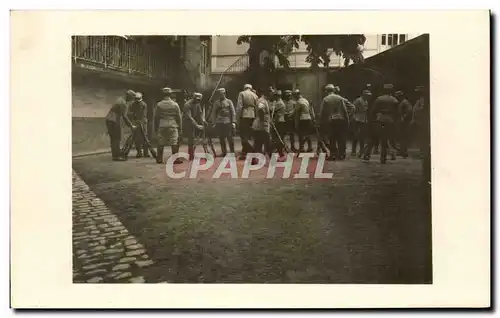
[[205, 58], [393, 39]]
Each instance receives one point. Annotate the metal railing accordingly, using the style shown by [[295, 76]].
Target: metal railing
[[119, 54]]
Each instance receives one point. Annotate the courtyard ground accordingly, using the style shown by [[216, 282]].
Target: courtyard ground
[[370, 223]]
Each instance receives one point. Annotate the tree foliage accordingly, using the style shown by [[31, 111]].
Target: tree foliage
[[319, 48]]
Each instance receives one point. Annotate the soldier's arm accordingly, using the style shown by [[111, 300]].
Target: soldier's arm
[[202, 113], [345, 111], [124, 113], [321, 110], [215, 106], [179, 117], [312, 112], [239, 104], [188, 113], [145, 112], [156, 119], [232, 112]]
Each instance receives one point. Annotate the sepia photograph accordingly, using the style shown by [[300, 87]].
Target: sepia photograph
[[251, 159], [173, 159]]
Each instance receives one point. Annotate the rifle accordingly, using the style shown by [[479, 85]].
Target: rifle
[[130, 141]]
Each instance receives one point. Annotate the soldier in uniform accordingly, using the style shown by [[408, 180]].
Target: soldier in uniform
[[137, 114], [278, 117], [420, 120], [224, 120], [245, 109], [262, 124], [304, 121], [119, 111], [168, 125], [289, 127], [334, 114], [359, 122], [195, 121], [405, 112], [382, 117]]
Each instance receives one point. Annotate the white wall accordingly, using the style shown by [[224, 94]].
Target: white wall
[[225, 52]]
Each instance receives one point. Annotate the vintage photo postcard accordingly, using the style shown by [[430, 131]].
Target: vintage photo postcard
[[197, 160]]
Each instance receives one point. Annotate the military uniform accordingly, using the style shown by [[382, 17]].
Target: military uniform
[[383, 116], [420, 123], [194, 121], [137, 114], [262, 126], [278, 117], [334, 114], [359, 124], [304, 117], [224, 117], [167, 123], [289, 126], [118, 111], [405, 112], [246, 108]]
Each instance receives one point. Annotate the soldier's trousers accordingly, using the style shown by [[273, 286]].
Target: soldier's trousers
[[404, 138], [290, 131], [246, 135], [139, 141], [262, 139], [225, 132], [192, 134], [305, 130], [359, 135], [337, 136], [383, 132], [277, 144], [115, 135]]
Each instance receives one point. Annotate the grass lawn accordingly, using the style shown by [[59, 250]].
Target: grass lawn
[[369, 224]]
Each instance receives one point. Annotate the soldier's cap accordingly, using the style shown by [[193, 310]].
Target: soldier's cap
[[296, 91], [388, 86], [221, 90], [287, 92], [368, 85], [166, 90], [330, 87], [130, 93], [138, 95], [197, 96], [367, 92], [398, 93], [246, 86]]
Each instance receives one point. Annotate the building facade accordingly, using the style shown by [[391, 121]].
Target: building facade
[[104, 67], [226, 55]]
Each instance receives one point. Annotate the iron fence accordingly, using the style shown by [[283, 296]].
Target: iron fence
[[120, 54]]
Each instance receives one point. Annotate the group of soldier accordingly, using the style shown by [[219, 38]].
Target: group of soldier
[[266, 121]]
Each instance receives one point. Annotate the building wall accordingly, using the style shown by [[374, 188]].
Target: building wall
[[225, 52]]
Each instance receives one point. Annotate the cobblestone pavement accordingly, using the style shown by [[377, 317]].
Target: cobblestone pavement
[[103, 249]]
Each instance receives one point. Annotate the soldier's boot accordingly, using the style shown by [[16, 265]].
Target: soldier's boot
[[159, 155], [309, 145], [292, 143], [353, 148], [146, 152], [190, 153], [139, 153], [175, 149], [231, 145], [393, 156]]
